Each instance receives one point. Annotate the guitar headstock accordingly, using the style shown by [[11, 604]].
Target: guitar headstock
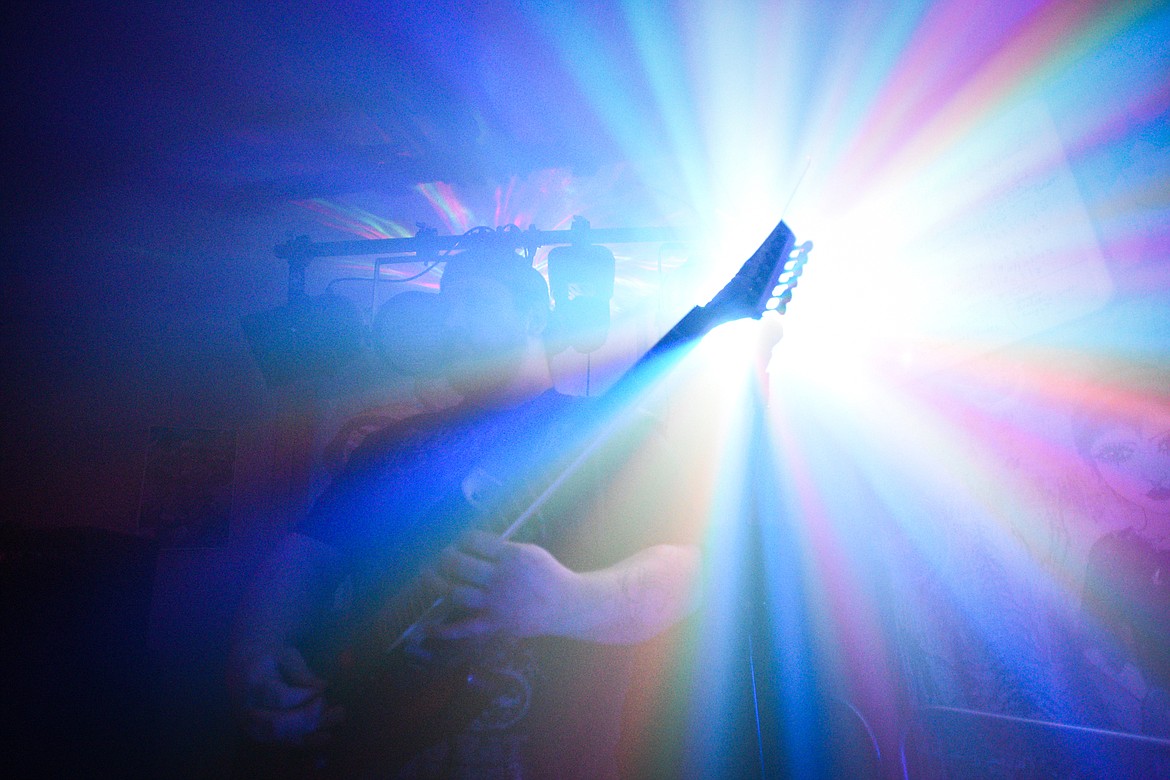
[[764, 282]]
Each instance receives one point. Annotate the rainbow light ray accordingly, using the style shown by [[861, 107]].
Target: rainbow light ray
[[979, 176], [457, 218], [959, 178], [353, 220]]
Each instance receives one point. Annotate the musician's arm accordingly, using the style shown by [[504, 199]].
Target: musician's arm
[[293, 581], [275, 694], [634, 600], [521, 589]]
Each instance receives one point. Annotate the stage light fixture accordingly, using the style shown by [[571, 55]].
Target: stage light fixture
[[581, 280], [407, 333], [314, 336]]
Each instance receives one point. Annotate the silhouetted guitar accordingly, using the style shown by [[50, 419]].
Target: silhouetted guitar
[[398, 698]]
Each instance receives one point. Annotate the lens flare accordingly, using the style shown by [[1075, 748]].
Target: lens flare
[[908, 521], [979, 181]]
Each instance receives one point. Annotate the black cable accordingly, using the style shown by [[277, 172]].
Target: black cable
[[406, 278], [332, 282], [421, 273]]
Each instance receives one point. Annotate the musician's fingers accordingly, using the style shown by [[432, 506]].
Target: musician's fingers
[[293, 669], [434, 581], [274, 681], [483, 544], [475, 625], [466, 597], [267, 725], [457, 565], [278, 695]]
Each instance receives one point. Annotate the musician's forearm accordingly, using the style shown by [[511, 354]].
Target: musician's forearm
[[635, 599], [284, 593]]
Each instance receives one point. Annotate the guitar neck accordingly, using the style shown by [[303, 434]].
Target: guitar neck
[[748, 294]]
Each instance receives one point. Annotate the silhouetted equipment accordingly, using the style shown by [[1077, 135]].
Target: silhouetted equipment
[[300, 251], [407, 333], [581, 278], [310, 337], [315, 336]]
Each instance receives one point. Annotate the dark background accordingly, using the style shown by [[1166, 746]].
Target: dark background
[[151, 153]]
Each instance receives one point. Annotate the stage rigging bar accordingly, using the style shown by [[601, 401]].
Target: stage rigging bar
[[426, 243]]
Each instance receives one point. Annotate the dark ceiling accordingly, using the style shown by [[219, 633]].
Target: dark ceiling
[[233, 104]]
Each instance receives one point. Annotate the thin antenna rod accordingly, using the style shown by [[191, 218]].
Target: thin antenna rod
[[784, 211]]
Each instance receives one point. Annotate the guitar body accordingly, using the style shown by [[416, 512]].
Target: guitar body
[[391, 715], [404, 709]]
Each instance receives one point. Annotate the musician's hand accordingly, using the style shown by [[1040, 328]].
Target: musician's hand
[[278, 697], [511, 588]]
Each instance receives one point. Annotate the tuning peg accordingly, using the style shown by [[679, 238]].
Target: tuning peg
[[780, 298], [799, 256]]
